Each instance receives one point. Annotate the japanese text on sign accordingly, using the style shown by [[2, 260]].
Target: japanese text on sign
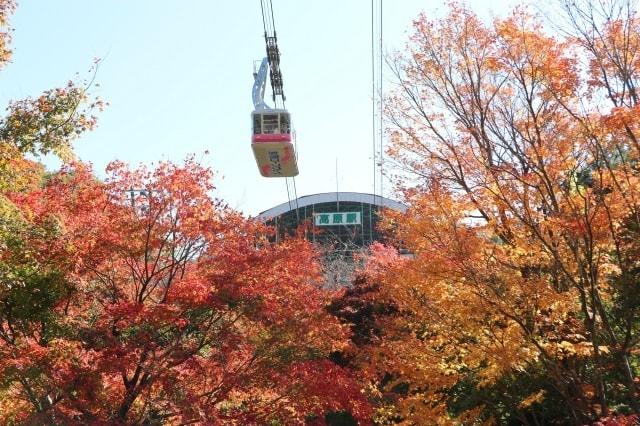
[[332, 219]]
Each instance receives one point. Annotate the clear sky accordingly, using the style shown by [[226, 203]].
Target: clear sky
[[178, 77]]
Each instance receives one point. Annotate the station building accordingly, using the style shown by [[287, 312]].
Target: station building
[[346, 221]]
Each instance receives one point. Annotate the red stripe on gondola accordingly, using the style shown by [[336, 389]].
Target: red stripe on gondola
[[278, 137]]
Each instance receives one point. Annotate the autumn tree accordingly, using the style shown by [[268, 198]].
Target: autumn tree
[[30, 128], [33, 127], [519, 146], [171, 308], [141, 299]]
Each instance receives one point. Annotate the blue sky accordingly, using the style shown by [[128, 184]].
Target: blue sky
[[178, 77]]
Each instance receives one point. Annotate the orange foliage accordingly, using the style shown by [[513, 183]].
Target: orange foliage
[[516, 222]]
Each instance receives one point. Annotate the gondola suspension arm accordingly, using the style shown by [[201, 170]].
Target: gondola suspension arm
[[259, 84]]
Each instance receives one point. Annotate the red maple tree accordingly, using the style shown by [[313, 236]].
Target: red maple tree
[[162, 304]]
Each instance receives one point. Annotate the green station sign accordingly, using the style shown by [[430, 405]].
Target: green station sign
[[334, 219]]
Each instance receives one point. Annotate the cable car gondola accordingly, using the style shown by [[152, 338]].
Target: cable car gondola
[[271, 140], [272, 143]]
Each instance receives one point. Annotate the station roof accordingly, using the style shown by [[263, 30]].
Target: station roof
[[331, 197]]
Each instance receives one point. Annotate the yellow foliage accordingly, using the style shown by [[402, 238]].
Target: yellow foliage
[[515, 224]]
